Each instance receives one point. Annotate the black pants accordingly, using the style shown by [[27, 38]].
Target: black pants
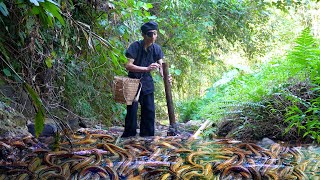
[[147, 117]]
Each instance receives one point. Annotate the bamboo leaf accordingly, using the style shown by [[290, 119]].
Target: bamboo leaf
[[3, 9], [39, 123], [54, 10], [53, 2], [90, 41], [35, 10], [35, 2], [85, 34], [39, 118], [84, 24], [88, 37]]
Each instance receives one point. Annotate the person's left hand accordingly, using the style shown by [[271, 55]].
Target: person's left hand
[[170, 79]]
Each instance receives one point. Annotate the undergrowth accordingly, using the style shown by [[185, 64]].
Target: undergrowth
[[280, 100], [92, 102]]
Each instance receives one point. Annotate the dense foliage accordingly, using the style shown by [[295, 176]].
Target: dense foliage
[[69, 51], [282, 98], [65, 54]]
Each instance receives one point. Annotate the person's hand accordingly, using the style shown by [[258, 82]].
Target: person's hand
[[153, 66], [170, 79]]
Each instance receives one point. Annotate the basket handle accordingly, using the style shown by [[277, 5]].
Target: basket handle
[[124, 96]]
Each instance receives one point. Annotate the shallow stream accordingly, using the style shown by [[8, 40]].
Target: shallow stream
[[101, 154]]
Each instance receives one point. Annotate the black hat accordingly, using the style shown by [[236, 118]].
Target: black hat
[[149, 26]]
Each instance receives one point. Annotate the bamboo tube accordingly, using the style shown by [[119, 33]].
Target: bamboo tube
[[199, 131]]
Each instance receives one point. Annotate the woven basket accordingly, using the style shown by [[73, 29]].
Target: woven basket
[[125, 89]]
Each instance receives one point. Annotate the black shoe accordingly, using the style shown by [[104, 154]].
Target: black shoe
[[126, 135]]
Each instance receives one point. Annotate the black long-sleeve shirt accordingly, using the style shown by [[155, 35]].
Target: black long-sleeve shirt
[[144, 58]]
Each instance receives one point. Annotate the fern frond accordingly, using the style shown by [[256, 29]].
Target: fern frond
[[305, 50]]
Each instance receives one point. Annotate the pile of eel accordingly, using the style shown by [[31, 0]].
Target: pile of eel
[[97, 154]]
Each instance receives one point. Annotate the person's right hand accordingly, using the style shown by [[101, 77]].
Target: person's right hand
[[153, 66]]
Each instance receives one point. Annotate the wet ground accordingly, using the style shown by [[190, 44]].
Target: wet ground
[[102, 154]]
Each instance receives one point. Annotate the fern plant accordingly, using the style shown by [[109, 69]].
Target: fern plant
[[307, 120], [306, 54]]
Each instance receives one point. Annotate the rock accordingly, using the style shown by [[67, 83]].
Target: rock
[[74, 124], [191, 125], [173, 130], [77, 123], [48, 130], [116, 129], [82, 123], [12, 123], [265, 142]]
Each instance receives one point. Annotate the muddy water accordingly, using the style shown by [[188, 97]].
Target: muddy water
[[98, 154]]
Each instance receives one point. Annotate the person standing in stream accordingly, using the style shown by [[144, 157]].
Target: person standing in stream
[[143, 57]]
